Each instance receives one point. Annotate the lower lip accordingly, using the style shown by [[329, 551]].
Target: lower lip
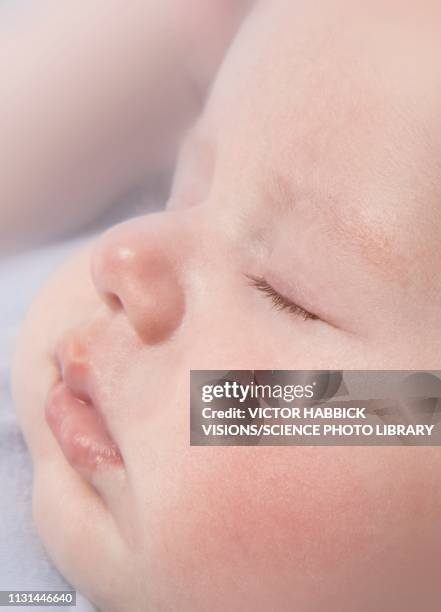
[[80, 431]]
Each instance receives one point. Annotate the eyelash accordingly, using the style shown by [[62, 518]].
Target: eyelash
[[280, 302]]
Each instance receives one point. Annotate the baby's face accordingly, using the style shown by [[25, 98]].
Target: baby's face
[[313, 180]]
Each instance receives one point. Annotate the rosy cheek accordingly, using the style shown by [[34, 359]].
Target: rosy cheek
[[277, 522]]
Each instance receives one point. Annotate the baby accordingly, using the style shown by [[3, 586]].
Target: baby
[[314, 169]]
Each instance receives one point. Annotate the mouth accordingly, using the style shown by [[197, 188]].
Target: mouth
[[76, 418]]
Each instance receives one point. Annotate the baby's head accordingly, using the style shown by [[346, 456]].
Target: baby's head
[[312, 181]]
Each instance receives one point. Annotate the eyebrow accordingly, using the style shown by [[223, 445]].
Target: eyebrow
[[348, 231], [355, 236]]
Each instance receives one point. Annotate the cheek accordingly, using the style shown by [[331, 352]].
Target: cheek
[[272, 526]]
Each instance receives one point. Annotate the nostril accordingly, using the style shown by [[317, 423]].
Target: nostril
[[113, 301], [137, 274]]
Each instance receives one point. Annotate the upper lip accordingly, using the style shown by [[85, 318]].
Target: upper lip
[[75, 369]]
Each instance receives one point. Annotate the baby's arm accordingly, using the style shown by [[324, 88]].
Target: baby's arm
[[92, 93]]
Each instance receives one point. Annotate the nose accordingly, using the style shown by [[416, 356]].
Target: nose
[[137, 268]]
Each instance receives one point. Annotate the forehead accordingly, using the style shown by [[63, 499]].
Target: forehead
[[314, 124]]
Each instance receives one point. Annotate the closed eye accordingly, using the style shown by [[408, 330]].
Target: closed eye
[[279, 301]]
